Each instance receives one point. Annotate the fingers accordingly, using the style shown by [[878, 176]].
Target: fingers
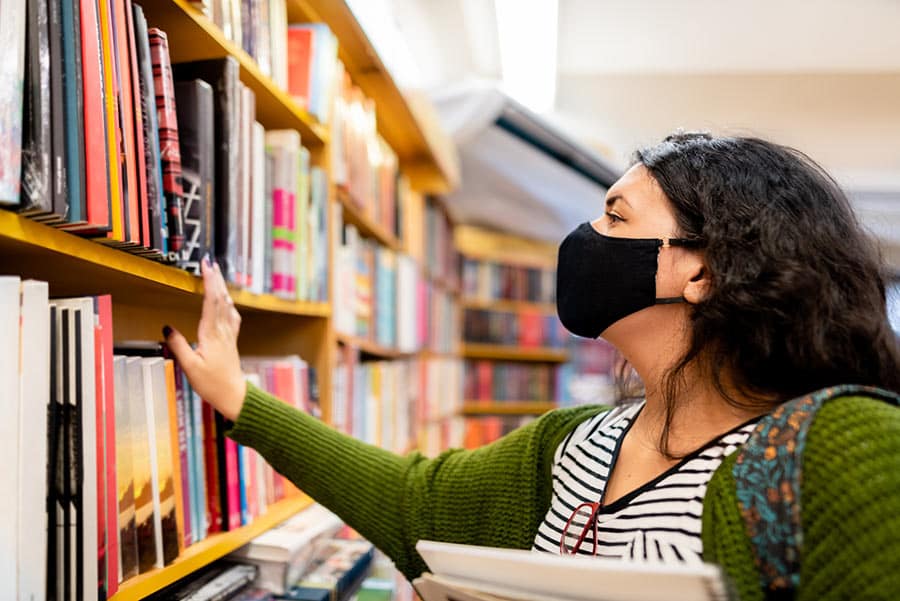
[[179, 346], [210, 296]]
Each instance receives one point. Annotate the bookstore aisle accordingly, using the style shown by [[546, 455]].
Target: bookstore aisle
[[136, 139]]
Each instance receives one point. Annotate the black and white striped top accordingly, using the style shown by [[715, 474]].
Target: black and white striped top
[[660, 521]]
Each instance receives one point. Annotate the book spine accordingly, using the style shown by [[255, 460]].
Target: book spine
[[111, 118], [59, 164], [232, 476], [170, 153], [184, 461], [10, 303], [103, 309], [214, 491], [174, 397], [74, 116], [125, 94], [201, 516]]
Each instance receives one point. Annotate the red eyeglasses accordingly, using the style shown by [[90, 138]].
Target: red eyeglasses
[[582, 523]]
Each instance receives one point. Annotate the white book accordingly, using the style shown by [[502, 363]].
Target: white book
[[258, 211], [85, 397], [247, 118], [9, 426], [283, 553], [34, 398], [470, 573], [161, 469]]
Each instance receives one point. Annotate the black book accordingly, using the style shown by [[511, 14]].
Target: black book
[[196, 136], [55, 458], [36, 196], [65, 519], [58, 164], [76, 457], [155, 199], [222, 74]]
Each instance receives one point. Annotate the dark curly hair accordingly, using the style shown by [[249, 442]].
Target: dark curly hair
[[797, 296]]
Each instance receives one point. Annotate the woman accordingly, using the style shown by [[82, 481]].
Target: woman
[[733, 276]]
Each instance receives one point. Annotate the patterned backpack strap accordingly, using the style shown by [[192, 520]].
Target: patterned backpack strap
[[768, 473]]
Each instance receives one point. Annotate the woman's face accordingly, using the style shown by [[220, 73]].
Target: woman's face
[[635, 207]]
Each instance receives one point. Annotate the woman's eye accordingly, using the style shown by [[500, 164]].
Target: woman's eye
[[613, 218]]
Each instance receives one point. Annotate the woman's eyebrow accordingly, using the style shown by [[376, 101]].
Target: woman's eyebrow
[[614, 199]]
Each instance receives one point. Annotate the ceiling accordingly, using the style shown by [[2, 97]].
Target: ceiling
[[820, 75]]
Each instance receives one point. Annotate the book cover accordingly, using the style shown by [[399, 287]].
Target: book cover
[[170, 153], [111, 114], [156, 202], [35, 193], [232, 479], [59, 164], [101, 351], [9, 424], [126, 134], [85, 508], [247, 116], [189, 464], [12, 88], [34, 401], [222, 75], [138, 105], [57, 453], [72, 101], [196, 136], [183, 460], [95, 141], [305, 251], [72, 533], [217, 520], [141, 457], [201, 515], [284, 145], [174, 401], [243, 470], [127, 558], [161, 464], [299, 61], [257, 254]]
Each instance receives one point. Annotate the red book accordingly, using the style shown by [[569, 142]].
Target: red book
[[299, 49], [95, 159], [169, 150], [108, 520], [485, 380], [232, 484], [531, 329], [141, 165], [126, 116], [285, 384], [102, 474], [211, 459]]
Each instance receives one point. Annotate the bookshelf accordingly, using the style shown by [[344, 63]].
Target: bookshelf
[[148, 294], [513, 343], [207, 551]]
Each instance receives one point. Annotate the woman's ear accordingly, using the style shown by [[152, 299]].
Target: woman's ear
[[697, 287]]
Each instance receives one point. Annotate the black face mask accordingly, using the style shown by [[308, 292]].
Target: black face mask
[[601, 279]]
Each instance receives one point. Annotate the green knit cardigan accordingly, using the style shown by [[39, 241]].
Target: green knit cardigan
[[498, 495]]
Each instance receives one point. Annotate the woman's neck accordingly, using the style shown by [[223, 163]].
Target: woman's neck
[[702, 412]]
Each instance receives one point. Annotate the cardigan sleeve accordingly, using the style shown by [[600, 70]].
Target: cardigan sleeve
[[850, 499], [493, 496]]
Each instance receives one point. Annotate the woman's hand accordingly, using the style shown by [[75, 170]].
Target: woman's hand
[[214, 368]]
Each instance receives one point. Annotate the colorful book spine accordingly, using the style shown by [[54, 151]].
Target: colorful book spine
[[170, 153]]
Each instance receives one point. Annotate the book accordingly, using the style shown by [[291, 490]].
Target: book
[[222, 75], [216, 509], [126, 438], [177, 449], [170, 153], [86, 491], [284, 146], [489, 280], [36, 196], [115, 165], [283, 553], [12, 84], [126, 121], [9, 422], [470, 573], [257, 217], [196, 136], [145, 522], [138, 107], [59, 165], [96, 159], [73, 108], [34, 399], [337, 570]]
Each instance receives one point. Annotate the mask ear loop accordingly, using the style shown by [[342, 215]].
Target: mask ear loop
[[683, 243]]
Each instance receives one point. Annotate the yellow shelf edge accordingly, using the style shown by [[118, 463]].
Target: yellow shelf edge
[[514, 353], [207, 551], [49, 240], [367, 226], [507, 407]]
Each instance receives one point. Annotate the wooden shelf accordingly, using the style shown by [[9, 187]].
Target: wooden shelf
[[207, 551], [507, 407], [372, 349], [366, 225], [426, 154], [192, 36], [509, 306], [501, 352], [76, 266]]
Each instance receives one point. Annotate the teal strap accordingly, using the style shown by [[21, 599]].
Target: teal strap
[[768, 473]]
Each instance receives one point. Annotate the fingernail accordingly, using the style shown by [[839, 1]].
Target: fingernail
[[206, 259], [167, 331]]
